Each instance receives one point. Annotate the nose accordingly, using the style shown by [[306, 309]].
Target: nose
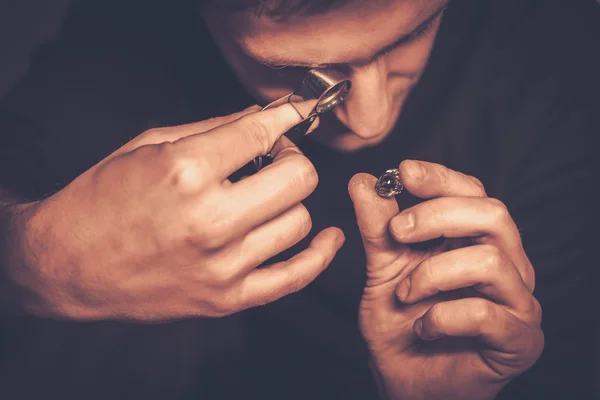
[[368, 107]]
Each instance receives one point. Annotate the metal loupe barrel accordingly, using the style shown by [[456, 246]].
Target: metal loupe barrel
[[329, 86]]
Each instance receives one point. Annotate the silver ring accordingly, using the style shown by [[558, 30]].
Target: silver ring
[[389, 183]]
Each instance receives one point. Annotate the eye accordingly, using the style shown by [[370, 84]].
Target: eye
[[423, 31], [289, 69]]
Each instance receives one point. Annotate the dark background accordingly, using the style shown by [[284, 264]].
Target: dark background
[[25, 25]]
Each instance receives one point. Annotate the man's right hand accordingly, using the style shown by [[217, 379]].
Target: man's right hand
[[156, 231]]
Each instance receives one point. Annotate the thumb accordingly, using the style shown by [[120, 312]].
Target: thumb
[[373, 214]]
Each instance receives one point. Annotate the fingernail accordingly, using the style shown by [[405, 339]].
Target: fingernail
[[416, 170], [340, 241], [403, 223], [418, 327], [403, 289]]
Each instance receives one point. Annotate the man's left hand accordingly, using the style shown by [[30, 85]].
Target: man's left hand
[[455, 321]]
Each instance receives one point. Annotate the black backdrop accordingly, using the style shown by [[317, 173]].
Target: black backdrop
[[25, 25]]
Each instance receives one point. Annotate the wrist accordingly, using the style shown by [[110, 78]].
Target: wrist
[[19, 271]]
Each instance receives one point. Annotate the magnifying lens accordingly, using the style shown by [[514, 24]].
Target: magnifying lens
[[327, 85]]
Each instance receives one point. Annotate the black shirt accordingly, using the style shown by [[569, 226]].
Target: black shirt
[[510, 95]]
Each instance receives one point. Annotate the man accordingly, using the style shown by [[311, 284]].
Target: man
[[434, 301]]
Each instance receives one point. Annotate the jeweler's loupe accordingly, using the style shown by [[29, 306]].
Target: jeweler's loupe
[[328, 86]]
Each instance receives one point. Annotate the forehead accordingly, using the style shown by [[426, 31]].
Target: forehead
[[352, 32]]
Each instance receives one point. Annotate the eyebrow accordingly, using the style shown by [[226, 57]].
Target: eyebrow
[[422, 27]]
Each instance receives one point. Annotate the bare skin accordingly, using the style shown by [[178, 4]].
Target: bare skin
[[427, 340], [127, 241], [124, 241], [379, 86]]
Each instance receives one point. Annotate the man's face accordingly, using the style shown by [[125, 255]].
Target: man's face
[[381, 46]]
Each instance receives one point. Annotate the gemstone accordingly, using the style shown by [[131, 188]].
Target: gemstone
[[389, 183]]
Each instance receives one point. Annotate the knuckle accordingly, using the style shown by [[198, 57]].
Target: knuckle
[[147, 152], [297, 227], [478, 184], [155, 135], [226, 304], [499, 211], [210, 225], [257, 132], [483, 311], [209, 239], [227, 276], [303, 221], [268, 297], [305, 173], [186, 174], [443, 175], [207, 234], [492, 258], [149, 136], [436, 316], [427, 271], [322, 259], [157, 131], [295, 283], [528, 276], [535, 311], [177, 170]]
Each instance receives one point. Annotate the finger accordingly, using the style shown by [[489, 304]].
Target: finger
[[274, 189], [229, 147], [485, 220], [483, 267], [268, 284], [473, 317], [181, 131], [428, 180], [455, 217], [373, 214], [174, 133], [275, 236]]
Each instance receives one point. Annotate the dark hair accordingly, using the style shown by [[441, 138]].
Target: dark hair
[[277, 9]]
